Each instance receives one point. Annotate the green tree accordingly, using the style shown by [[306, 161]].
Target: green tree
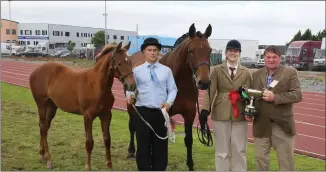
[[296, 36], [71, 45], [99, 38], [321, 34], [307, 35]]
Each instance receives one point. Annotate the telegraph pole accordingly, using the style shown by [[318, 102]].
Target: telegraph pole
[[0, 28], [10, 31], [105, 14], [137, 36]]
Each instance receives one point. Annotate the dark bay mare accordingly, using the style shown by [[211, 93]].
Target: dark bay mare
[[86, 93], [190, 64]]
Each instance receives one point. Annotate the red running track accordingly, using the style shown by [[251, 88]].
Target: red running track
[[309, 114]]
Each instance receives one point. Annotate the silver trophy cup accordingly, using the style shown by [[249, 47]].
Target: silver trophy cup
[[250, 109]]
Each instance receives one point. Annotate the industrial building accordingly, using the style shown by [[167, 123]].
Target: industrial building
[[6, 35], [57, 36]]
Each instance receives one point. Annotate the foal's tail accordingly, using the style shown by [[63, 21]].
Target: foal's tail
[[38, 83], [172, 121]]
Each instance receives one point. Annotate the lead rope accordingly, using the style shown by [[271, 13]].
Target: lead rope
[[167, 124], [204, 133]]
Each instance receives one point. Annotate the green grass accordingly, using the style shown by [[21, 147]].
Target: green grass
[[20, 141], [76, 62]]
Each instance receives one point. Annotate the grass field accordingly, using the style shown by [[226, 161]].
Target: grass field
[[76, 62], [20, 141]]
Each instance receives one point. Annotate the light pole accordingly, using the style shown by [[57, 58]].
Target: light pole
[[0, 29], [105, 14], [10, 31], [137, 36]]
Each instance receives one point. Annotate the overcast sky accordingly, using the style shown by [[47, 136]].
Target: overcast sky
[[269, 22]]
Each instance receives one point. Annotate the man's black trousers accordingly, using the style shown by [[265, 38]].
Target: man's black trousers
[[152, 152]]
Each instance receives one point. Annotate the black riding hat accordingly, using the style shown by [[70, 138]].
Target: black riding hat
[[151, 41], [233, 44]]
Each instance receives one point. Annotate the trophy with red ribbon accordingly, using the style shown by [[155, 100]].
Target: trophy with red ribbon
[[249, 96]]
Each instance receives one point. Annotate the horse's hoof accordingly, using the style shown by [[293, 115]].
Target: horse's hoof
[[50, 165], [87, 168], [109, 165], [131, 156]]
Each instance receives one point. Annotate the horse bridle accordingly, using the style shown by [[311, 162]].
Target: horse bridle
[[205, 137], [120, 76]]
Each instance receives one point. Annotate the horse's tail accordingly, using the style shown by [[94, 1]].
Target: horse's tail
[[173, 122]]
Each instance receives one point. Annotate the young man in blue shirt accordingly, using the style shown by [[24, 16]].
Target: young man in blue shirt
[[157, 89]]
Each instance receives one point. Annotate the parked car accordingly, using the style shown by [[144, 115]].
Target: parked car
[[33, 53], [60, 52], [248, 62]]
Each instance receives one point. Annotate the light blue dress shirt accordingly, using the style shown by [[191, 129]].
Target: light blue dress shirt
[[150, 94]]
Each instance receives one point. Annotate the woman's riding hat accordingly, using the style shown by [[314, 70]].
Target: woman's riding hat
[[151, 41], [233, 44]]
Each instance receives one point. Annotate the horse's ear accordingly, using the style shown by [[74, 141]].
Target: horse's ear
[[127, 46], [192, 31], [117, 49], [208, 31]]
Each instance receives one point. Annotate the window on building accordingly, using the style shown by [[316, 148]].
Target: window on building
[[44, 32], [81, 35], [13, 31], [85, 34], [28, 32], [122, 37], [67, 34], [51, 46], [35, 42], [61, 33], [37, 32], [114, 36], [77, 34], [21, 32], [56, 33], [8, 31], [28, 43], [89, 35], [108, 36]]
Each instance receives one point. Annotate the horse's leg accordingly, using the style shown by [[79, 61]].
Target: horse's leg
[[88, 123], [105, 124], [43, 127], [131, 148], [50, 113], [189, 120]]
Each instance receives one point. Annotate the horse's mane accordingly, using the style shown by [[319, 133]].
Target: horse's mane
[[183, 37], [180, 39], [106, 50]]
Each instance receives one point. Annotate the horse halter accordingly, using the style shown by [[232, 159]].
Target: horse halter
[[120, 76], [194, 69]]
